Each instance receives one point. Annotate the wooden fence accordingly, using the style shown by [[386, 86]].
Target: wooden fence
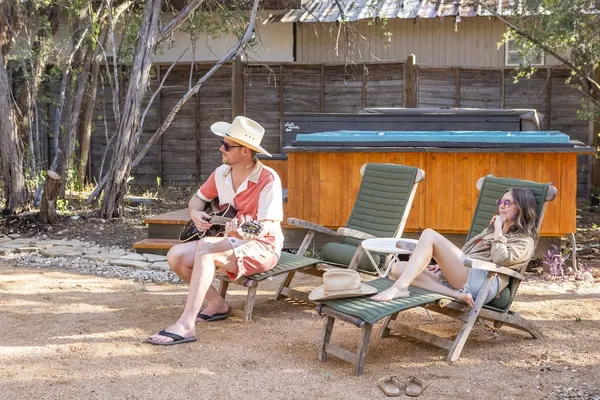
[[188, 151]]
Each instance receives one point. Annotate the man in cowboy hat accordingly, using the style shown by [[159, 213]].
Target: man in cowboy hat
[[255, 191]]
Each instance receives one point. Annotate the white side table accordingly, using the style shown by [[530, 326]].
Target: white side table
[[387, 246]]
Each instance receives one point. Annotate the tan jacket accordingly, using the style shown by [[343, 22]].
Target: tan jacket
[[508, 251]]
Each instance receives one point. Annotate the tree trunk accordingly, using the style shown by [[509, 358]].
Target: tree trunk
[[88, 113], [74, 117], [126, 142], [595, 198], [12, 149], [51, 190]]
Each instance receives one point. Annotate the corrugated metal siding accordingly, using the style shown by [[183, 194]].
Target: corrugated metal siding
[[471, 42], [356, 10]]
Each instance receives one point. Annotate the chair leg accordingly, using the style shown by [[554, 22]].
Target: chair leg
[[384, 332], [514, 320], [327, 329], [223, 286], [361, 349], [284, 285], [465, 330], [250, 303]]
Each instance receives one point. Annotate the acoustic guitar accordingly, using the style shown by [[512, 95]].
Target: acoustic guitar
[[218, 217]]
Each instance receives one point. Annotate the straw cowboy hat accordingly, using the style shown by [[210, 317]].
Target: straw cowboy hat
[[242, 130], [339, 284]]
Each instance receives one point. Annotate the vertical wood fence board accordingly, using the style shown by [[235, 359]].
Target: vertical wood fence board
[[215, 105], [343, 88], [384, 85], [436, 87], [480, 88]]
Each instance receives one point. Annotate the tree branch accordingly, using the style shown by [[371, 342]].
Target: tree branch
[[541, 45], [179, 19], [230, 55]]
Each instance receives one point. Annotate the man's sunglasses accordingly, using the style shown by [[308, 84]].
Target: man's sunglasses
[[507, 203], [227, 146]]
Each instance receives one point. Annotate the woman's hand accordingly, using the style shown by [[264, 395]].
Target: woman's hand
[[498, 223], [433, 268], [200, 219]]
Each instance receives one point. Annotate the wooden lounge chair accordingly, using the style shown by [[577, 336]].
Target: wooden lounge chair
[[381, 209], [384, 199], [364, 312]]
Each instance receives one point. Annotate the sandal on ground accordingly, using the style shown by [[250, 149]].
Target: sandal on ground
[[390, 386], [415, 386], [177, 339]]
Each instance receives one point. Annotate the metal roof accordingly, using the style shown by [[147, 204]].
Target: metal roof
[[355, 10]]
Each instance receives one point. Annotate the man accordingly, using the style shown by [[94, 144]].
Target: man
[[255, 191]]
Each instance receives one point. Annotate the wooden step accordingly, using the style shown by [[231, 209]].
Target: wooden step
[[177, 217], [155, 244]]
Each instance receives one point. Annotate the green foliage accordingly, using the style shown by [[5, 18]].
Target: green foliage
[[62, 205], [568, 28]]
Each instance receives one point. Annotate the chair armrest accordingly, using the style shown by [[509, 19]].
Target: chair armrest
[[300, 223], [353, 233], [491, 267]]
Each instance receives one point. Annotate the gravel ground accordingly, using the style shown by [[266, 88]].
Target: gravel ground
[[70, 335], [85, 266]]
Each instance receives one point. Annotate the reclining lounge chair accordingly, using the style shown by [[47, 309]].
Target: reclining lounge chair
[[364, 313], [381, 209]]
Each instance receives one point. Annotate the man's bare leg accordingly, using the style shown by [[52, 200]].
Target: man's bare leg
[[430, 245], [210, 252], [181, 260]]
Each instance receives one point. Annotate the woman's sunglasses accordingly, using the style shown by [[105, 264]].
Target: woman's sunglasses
[[506, 203], [227, 146]]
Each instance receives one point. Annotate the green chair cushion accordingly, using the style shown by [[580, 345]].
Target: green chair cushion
[[500, 303], [339, 253], [382, 200], [372, 311], [287, 262]]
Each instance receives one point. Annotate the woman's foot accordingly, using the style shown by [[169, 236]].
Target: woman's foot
[[466, 298], [176, 333], [391, 294]]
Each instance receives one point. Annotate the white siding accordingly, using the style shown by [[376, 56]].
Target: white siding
[[274, 44]]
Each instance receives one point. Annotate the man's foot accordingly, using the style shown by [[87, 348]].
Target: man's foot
[[174, 334], [391, 294], [213, 313], [466, 297]]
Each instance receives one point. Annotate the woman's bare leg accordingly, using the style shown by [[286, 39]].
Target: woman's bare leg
[[429, 280], [211, 252], [430, 245]]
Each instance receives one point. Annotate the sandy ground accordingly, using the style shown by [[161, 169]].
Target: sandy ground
[[67, 336]]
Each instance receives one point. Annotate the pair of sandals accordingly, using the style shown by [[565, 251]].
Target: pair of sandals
[[391, 386]]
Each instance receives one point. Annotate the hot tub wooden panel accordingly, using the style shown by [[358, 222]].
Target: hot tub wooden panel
[[322, 186]]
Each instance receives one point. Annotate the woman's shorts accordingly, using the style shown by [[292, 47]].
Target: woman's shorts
[[252, 256], [475, 282]]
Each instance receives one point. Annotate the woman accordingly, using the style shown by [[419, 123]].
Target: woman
[[507, 241]]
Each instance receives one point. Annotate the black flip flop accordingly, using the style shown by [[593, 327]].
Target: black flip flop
[[177, 339], [213, 317]]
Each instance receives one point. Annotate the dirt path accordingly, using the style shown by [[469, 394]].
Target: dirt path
[[67, 336]]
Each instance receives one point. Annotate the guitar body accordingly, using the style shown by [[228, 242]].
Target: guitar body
[[190, 232]]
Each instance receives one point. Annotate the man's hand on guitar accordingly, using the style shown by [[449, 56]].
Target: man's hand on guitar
[[200, 219], [245, 229]]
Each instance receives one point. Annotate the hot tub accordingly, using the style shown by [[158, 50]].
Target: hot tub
[[322, 172], [439, 139]]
